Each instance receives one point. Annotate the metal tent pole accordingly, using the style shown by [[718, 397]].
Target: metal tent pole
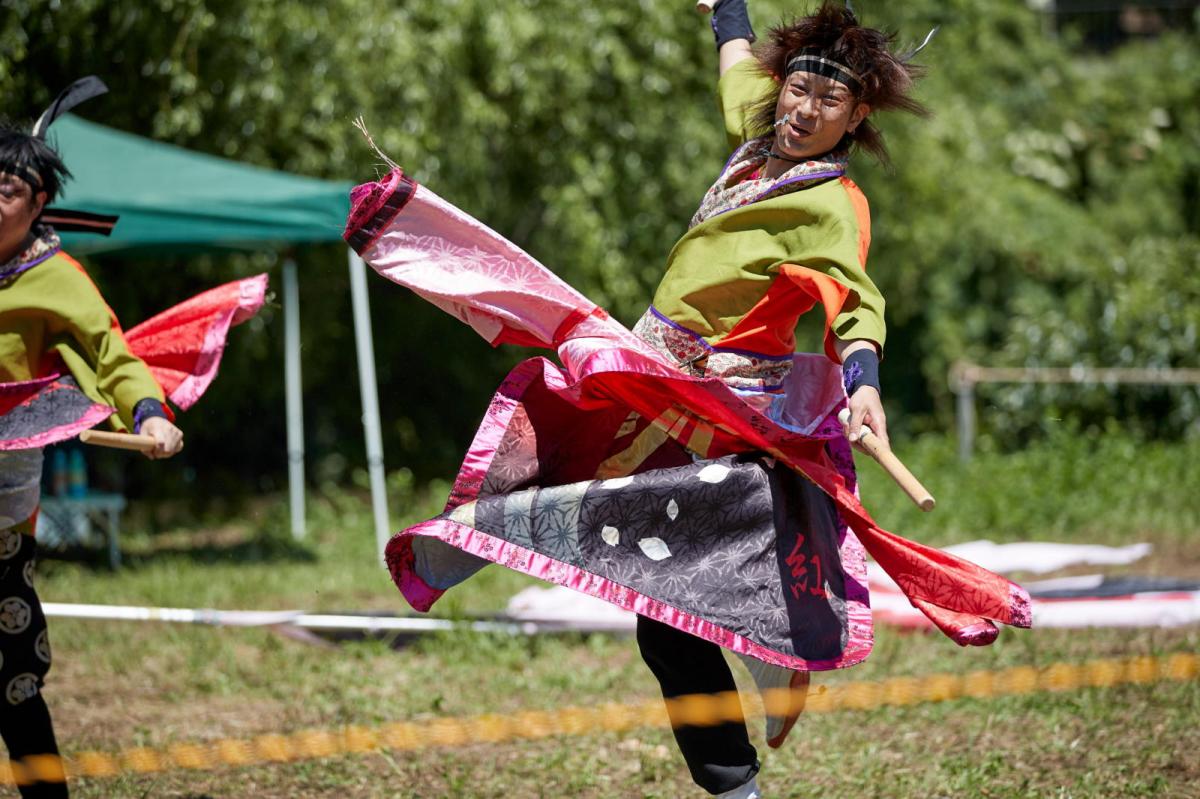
[[294, 396], [370, 398]]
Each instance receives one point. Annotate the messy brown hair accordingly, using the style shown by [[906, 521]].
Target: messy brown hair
[[834, 31]]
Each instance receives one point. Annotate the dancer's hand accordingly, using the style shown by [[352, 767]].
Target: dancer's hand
[[167, 437], [866, 407]]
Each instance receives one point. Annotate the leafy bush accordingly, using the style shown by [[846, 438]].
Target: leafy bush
[[1048, 214]]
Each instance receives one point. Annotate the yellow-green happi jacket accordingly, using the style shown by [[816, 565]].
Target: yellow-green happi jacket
[[53, 311], [761, 252]]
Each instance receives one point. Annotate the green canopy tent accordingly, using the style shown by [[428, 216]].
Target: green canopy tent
[[167, 196], [171, 198]]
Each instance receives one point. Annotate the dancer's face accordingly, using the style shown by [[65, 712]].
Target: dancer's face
[[19, 207], [819, 110]]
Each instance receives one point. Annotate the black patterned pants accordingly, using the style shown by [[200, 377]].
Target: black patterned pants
[[24, 660]]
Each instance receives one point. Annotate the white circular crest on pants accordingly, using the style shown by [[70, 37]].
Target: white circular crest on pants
[[15, 615], [22, 687], [41, 647], [10, 543], [27, 573]]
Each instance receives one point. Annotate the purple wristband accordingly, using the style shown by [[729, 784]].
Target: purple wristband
[[148, 408], [861, 368]]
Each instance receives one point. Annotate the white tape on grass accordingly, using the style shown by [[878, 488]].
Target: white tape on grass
[[272, 618]]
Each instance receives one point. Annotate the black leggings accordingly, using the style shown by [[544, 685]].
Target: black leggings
[[27, 730], [721, 757]]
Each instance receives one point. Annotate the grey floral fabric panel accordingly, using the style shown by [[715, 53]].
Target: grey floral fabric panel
[[58, 403], [442, 566], [749, 547]]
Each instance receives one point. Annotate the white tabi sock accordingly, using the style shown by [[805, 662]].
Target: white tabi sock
[[747, 791]]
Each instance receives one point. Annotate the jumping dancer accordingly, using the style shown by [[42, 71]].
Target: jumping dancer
[[696, 473], [734, 289]]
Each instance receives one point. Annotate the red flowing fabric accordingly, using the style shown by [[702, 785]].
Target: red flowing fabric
[[183, 344]]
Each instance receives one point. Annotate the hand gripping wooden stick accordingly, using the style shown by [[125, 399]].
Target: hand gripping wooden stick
[[140, 443], [892, 465]]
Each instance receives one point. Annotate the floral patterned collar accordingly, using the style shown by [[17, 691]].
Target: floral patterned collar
[[45, 245], [735, 188]]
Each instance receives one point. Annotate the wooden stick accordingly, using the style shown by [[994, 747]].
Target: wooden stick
[[896, 470], [140, 443]]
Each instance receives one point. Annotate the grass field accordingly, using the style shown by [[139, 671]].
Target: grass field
[[118, 685]]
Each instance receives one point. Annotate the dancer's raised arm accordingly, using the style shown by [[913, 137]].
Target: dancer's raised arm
[[731, 26]]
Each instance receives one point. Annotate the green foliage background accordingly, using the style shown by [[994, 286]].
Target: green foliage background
[[1048, 213]]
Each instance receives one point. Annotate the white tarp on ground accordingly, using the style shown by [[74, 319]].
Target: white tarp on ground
[[1152, 609], [1028, 556]]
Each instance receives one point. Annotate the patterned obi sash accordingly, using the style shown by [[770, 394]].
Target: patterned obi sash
[[741, 370]]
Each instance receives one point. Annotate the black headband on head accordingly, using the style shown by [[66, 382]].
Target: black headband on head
[[812, 60], [25, 173]]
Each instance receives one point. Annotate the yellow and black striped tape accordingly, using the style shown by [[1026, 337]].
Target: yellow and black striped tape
[[694, 710]]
